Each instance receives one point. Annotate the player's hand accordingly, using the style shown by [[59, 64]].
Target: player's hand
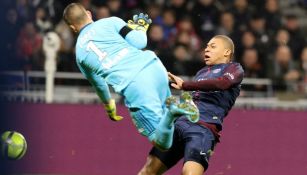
[[176, 82], [139, 22], [110, 107]]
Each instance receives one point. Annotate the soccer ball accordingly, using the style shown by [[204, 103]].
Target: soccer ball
[[13, 145]]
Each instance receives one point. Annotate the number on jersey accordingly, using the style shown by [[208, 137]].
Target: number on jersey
[[92, 47]]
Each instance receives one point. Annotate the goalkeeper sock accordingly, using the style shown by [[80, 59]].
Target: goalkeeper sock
[[164, 132]]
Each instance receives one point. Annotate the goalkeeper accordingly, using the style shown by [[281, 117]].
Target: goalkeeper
[[108, 52]]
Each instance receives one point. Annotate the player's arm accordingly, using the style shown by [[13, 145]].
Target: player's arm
[[232, 75], [102, 90], [134, 32]]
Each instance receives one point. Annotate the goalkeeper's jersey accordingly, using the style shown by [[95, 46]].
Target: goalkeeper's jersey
[[103, 53]]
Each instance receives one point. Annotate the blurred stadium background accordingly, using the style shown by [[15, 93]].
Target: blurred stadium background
[[45, 97]]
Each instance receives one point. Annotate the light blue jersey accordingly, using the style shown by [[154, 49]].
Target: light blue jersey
[[105, 57]]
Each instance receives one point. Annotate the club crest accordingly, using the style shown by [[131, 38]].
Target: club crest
[[215, 71]]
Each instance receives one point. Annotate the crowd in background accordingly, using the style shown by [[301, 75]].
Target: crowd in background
[[270, 39]]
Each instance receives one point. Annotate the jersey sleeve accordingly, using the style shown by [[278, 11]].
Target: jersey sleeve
[[135, 38], [232, 75], [99, 84]]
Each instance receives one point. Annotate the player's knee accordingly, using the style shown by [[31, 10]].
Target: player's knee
[[192, 168], [153, 166], [142, 172]]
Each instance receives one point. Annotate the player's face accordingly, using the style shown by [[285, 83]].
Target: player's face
[[214, 52]]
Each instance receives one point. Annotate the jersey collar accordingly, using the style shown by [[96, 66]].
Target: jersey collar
[[85, 27]]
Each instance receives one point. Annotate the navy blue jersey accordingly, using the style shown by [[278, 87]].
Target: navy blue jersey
[[215, 89]]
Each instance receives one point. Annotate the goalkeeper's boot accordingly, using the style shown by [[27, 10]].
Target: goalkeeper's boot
[[186, 102], [177, 110]]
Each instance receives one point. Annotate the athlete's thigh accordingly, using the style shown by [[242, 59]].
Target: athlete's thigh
[[146, 108], [199, 144], [145, 97]]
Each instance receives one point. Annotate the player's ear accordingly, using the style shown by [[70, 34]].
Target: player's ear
[[73, 28], [227, 53], [89, 14]]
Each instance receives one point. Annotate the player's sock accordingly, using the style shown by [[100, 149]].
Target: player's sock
[[164, 136]]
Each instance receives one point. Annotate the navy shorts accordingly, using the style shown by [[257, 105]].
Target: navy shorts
[[191, 142]]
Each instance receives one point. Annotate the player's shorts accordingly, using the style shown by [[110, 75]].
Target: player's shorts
[[145, 97], [191, 142]]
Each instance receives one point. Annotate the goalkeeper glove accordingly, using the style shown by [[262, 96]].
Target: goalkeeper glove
[[139, 22], [110, 107]]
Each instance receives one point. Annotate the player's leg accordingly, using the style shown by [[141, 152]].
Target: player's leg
[[149, 119], [153, 166], [191, 167], [199, 144], [159, 161], [145, 97], [163, 135], [164, 131], [147, 105]]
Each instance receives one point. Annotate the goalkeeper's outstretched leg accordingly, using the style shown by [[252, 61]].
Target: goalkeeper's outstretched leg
[[163, 137]]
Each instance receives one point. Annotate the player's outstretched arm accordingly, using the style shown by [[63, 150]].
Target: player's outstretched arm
[[232, 75], [137, 39], [111, 110], [102, 90], [134, 32]]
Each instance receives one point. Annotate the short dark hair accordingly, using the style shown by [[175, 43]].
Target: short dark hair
[[228, 44], [74, 13]]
